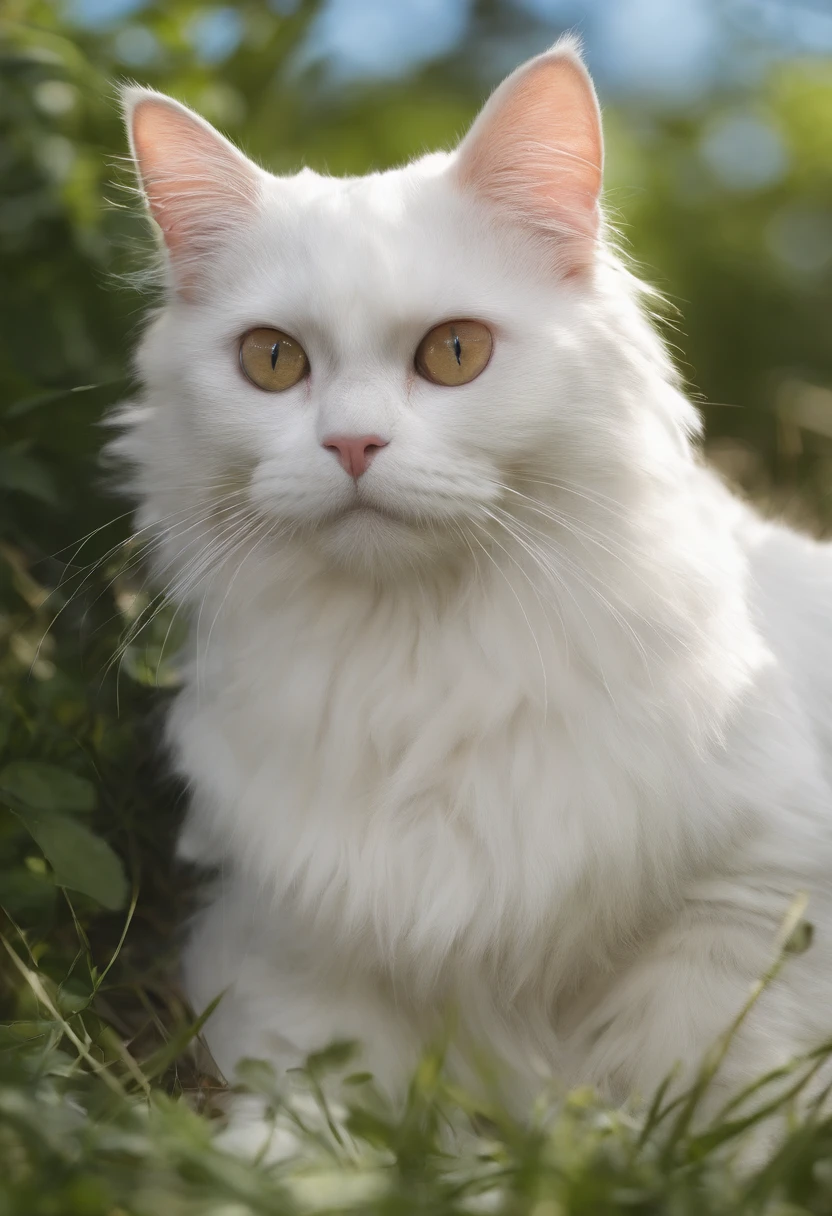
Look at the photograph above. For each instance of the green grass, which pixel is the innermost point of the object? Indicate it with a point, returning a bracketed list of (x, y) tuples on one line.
[(104, 1112)]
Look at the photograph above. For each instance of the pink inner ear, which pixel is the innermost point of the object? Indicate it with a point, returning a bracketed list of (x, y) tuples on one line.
[(536, 148), (197, 184)]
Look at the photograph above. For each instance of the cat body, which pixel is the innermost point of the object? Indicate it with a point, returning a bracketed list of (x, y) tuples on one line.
[(522, 733)]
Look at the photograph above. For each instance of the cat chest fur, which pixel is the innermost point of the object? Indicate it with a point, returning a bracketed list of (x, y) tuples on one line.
[(391, 778)]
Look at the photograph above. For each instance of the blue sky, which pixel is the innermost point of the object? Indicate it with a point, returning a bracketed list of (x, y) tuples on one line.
[(663, 48)]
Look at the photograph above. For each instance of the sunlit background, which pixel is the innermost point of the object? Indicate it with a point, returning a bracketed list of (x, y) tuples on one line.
[(719, 184)]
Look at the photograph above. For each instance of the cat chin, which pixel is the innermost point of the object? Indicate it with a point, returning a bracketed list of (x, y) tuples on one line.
[(369, 541)]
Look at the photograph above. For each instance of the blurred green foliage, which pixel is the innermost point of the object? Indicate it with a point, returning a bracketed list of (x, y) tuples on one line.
[(87, 816)]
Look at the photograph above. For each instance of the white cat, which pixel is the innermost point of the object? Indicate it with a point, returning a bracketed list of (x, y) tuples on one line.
[(498, 707)]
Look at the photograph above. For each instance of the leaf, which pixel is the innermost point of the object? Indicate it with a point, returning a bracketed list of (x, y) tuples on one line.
[(358, 1078), (169, 1052), (36, 400), (336, 1055), (82, 861), (45, 787), (258, 1076), (25, 895), (800, 938), (27, 475)]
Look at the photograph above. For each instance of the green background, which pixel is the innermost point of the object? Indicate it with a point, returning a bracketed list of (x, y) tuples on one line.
[(87, 815)]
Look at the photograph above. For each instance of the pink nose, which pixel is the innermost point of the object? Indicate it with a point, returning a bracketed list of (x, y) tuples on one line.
[(354, 452)]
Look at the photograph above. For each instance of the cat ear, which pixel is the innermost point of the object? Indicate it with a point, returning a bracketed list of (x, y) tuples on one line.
[(198, 187), (536, 150)]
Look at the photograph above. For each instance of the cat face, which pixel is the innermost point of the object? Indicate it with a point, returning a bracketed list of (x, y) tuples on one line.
[(373, 360)]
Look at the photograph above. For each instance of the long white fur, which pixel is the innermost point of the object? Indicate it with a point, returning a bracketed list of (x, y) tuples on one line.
[(545, 751)]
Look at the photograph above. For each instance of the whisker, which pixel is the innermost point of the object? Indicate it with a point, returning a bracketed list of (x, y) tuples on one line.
[(90, 573), (211, 552), (513, 590), (542, 560), (140, 555), (581, 577), (257, 542), (597, 498)]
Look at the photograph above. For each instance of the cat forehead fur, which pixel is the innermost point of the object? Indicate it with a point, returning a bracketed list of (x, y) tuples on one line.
[(356, 265)]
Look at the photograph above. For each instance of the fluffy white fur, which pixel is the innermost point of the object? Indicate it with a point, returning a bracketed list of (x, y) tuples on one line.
[(530, 730)]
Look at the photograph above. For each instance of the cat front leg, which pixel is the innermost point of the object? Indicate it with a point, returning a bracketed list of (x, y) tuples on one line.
[(276, 1005), (665, 1012)]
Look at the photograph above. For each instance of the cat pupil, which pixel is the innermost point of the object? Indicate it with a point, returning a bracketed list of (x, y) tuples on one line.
[(275, 353), (458, 350)]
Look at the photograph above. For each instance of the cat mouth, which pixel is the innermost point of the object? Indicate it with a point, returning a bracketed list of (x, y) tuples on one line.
[(368, 510)]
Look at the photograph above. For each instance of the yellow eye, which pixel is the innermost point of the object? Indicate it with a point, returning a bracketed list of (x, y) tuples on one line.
[(454, 352), (272, 360)]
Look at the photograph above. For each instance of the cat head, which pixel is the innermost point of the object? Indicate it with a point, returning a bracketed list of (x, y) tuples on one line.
[(383, 366)]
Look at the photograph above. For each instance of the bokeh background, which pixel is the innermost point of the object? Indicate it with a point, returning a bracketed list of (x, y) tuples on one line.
[(719, 127)]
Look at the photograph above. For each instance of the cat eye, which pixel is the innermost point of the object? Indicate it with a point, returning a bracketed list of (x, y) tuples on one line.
[(454, 352), (272, 360)]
